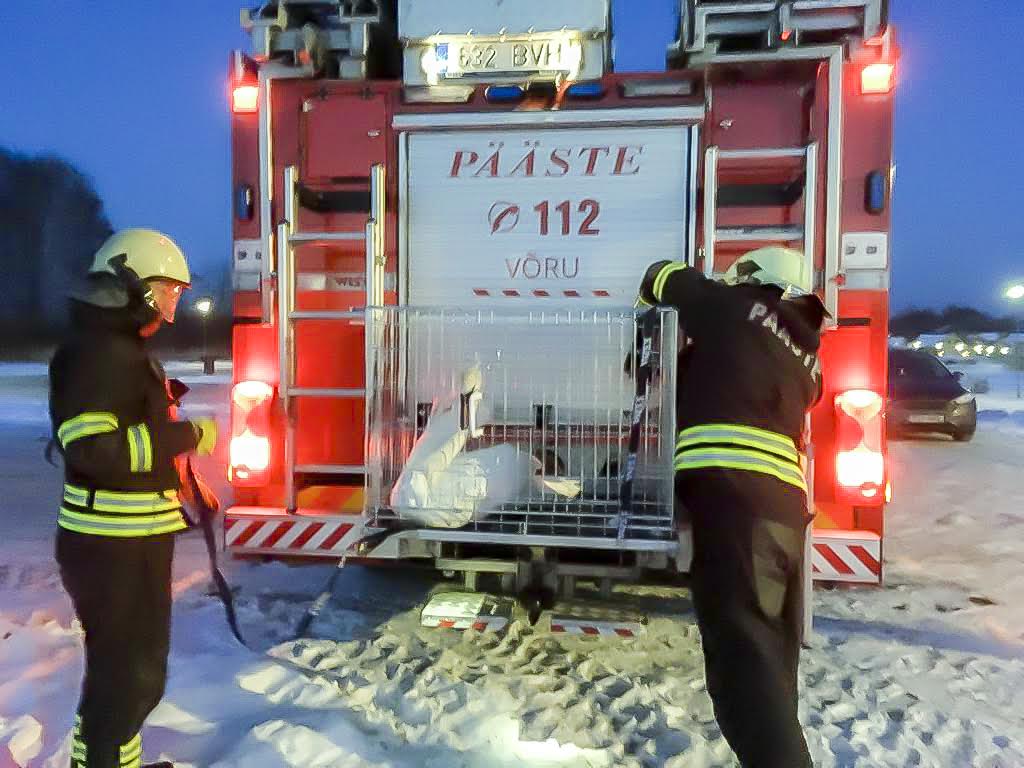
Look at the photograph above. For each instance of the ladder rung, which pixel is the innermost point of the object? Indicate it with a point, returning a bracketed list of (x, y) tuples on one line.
[(325, 237), (756, 234), (762, 154), (341, 394), (331, 469), (327, 314)]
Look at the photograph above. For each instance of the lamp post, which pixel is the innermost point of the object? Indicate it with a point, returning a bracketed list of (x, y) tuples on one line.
[(204, 307), (1015, 293)]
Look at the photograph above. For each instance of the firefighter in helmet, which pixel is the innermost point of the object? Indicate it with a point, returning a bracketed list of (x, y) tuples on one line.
[(112, 423), (747, 379)]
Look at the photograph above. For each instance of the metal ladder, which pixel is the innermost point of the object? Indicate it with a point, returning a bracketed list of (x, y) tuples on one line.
[(708, 24), (288, 316), (804, 232)]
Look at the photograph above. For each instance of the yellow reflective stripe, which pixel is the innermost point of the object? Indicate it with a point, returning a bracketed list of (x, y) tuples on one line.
[(131, 753), (140, 448), (129, 526), (736, 458), (775, 437), (159, 504), (751, 458), (750, 437), (662, 278), (86, 425), (747, 442), (127, 502), (122, 521)]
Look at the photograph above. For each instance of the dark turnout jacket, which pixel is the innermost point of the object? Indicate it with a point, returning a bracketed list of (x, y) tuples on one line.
[(109, 410), (748, 376)]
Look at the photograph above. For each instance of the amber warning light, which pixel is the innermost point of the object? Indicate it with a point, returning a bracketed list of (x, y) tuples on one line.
[(245, 98)]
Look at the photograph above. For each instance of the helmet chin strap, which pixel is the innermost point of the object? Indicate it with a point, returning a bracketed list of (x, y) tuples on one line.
[(141, 301)]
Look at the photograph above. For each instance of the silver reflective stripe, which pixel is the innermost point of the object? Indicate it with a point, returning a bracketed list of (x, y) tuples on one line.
[(739, 459), (132, 507), (77, 496), (140, 448)]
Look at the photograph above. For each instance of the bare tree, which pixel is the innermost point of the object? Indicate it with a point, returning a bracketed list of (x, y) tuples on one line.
[(51, 223)]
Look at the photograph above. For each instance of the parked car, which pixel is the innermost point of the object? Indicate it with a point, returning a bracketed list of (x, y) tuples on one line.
[(925, 396)]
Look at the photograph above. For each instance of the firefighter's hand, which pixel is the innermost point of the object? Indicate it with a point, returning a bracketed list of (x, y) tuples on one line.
[(206, 435), (646, 296), (209, 498)]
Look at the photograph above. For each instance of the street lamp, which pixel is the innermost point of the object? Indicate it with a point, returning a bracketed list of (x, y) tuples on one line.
[(1015, 292), (204, 307)]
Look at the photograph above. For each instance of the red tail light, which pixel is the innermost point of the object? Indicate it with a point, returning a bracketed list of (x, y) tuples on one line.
[(860, 462), (877, 78), (245, 98), (249, 451)]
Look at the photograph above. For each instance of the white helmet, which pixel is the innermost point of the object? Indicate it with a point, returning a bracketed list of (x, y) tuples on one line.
[(773, 265), (151, 255)]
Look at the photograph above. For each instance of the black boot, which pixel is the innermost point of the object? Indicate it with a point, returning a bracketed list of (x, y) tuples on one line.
[(161, 764)]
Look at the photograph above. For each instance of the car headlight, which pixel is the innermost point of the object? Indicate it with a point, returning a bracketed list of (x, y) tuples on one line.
[(965, 398)]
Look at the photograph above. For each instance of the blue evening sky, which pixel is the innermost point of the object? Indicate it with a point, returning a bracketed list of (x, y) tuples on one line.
[(134, 94)]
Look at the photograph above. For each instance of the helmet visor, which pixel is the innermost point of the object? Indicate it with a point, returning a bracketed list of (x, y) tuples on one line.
[(166, 295)]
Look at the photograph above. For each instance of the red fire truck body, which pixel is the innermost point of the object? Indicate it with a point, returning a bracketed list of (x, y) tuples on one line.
[(774, 120)]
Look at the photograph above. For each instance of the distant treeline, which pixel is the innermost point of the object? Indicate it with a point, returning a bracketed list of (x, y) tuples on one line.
[(952, 319), (51, 223)]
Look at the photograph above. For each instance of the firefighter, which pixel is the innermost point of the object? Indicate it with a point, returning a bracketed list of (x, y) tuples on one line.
[(121, 508), (746, 382)]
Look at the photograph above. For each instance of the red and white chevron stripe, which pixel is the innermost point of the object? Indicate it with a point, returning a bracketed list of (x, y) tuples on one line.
[(291, 534), (479, 623), (569, 626), (541, 293), (852, 556)]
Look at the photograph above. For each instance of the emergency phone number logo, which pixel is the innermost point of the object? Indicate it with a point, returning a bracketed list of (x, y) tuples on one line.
[(555, 217), (564, 218), (503, 217)]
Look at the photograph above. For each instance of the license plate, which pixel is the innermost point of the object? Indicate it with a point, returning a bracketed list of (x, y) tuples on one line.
[(926, 418), (466, 58)]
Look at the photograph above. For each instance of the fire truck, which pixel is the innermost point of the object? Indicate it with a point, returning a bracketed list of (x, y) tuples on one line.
[(433, 192)]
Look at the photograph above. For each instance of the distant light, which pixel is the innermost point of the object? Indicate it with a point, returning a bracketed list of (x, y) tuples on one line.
[(960, 346), (915, 344), (939, 345), (979, 348), (204, 306), (877, 78), (1015, 292), (245, 98), (1004, 350), (989, 349)]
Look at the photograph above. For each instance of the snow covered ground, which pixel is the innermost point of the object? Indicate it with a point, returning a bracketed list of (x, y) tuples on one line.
[(926, 672)]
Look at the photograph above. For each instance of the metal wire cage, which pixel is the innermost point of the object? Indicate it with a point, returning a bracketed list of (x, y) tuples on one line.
[(517, 422)]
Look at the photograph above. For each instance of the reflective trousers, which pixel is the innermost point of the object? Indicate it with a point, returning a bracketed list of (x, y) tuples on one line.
[(121, 591), (747, 581)]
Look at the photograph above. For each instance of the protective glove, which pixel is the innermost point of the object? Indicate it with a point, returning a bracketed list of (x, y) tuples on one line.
[(206, 434), (646, 296), (209, 498)]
